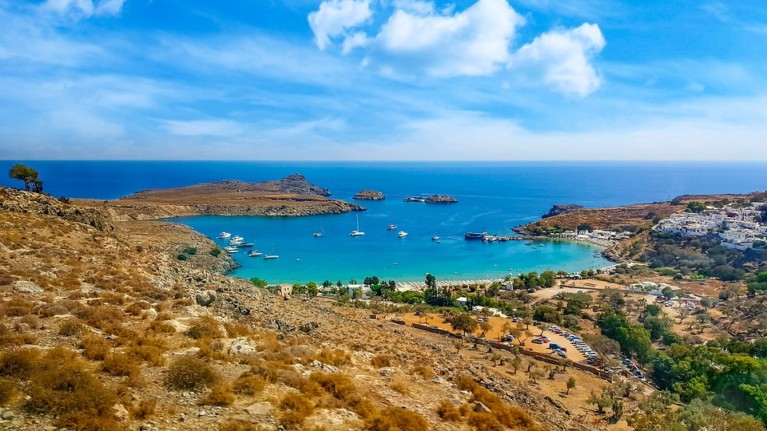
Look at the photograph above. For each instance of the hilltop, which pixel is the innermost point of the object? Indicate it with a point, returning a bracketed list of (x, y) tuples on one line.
[(289, 197)]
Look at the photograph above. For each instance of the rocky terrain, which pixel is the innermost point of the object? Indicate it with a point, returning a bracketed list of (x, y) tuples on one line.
[(106, 326), (441, 199), (558, 209), (369, 195), (292, 196)]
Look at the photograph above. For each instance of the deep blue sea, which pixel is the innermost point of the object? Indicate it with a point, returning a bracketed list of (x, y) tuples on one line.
[(493, 197)]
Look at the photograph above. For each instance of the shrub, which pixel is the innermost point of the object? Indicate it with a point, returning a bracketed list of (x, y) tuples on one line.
[(204, 327), (400, 386), (335, 357), (71, 328), (219, 395), (190, 373), (248, 384), (424, 371), (7, 390), (397, 419), (94, 348), (144, 409), (33, 321), (215, 252), (18, 363), (295, 408), (447, 411), (181, 256), (382, 361), (337, 385), (190, 251), (120, 364)]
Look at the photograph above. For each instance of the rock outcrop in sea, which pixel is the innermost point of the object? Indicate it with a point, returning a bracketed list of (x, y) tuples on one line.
[(369, 195), (441, 199), (558, 209)]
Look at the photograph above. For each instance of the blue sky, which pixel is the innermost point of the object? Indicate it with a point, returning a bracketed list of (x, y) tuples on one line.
[(383, 80)]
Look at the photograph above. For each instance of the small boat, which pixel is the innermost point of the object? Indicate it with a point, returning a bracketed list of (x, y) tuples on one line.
[(245, 245), (391, 227), (435, 238), (231, 250), (357, 232), (225, 235), (415, 199), (236, 240), (254, 253), (319, 234), (402, 234), (271, 256)]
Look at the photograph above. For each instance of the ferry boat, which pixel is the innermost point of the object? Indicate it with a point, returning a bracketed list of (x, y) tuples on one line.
[(475, 235), (254, 253), (225, 235), (402, 234), (271, 256)]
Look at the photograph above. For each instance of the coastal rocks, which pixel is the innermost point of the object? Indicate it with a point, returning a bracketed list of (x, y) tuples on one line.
[(558, 209), (297, 184), (19, 201), (369, 195), (441, 199)]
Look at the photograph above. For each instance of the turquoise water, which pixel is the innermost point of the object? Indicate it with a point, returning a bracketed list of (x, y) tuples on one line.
[(493, 197)]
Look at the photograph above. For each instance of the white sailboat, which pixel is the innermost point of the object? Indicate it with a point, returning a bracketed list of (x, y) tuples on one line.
[(319, 234), (357, 232)]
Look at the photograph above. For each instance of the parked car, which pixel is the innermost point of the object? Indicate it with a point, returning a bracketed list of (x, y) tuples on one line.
[(561, 353), (507, 337), (553, 346), (537, 341)]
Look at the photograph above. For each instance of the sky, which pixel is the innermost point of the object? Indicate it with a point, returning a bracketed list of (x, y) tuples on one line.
[(383, 80)]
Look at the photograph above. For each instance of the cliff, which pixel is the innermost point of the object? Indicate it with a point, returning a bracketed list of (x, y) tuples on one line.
[(369, 195), (558, 209)]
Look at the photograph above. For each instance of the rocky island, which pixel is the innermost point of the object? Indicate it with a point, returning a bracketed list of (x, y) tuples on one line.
[(291, 196), (369, 195), (433, 199)]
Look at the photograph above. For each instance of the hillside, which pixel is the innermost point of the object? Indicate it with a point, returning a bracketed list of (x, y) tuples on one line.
[(288, 197), (105, 327)]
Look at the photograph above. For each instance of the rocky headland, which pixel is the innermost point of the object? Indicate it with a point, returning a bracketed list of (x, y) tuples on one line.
[(558, 209), (292, 196), (369, 195)]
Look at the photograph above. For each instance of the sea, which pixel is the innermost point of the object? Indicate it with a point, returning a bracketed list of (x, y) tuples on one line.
[(493, 197)]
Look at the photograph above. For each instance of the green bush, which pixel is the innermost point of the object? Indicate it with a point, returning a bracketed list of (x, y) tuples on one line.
[(182, 256), (215, 252), (190, 251)]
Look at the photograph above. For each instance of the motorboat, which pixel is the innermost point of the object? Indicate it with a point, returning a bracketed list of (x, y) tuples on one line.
[(475, 235), (225, 235), (254, 253), (402, 234), (391, 227), (231, 249), (245, 245), (435, 238), (271, 257)]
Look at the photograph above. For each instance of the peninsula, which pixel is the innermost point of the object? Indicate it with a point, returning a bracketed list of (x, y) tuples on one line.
[(292, 196)]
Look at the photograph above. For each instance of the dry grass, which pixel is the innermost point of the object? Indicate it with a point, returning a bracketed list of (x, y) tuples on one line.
[(447, 411), (219, 395), (94, 347), (335, 357), (204, 327), (423, 371), (381, 361), (71, 328), (248, 384), (190, 373), (397, 419), (401, 386)]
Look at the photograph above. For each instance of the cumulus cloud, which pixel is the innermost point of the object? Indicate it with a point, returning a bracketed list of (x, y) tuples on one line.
[(416, 38), (84, 8), (562, 59), (335, 17)]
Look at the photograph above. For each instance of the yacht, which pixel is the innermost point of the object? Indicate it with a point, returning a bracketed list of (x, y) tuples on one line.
[(245, 245), (231, 249), (391, 227), (225, 235), (357, 232), (254, 253), (402, 234), (435, 238), (236, 240), (271, 256), (475, 235)]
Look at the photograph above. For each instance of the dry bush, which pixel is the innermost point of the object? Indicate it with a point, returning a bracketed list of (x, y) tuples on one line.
[(190, 373), (505, 415), (484, 422), (400, 386), (424, 371), (248, 384), (238, 425), (52, 310), (295, 408), (71, 328), (62, 386), (234, 330), (16, 307), (143, 409), (447, 411), (7, 390), (219, 395), (397, 419), (335, 357), (337, 385), (120, 364), (19, 363), (163, 328), (204, 327), (148, 349), (94, 347), (381, 361), (32, 321), (9, 338)]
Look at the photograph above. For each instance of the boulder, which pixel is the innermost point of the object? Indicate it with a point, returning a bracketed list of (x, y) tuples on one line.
[(259, 409), (481, 408), (27, 287), (120, 412), (241, 346)]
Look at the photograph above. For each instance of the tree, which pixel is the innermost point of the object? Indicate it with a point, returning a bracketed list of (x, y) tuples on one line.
[(484, 327), (515, 362), (458, 344), (463, 322), (28, 175), (258, 282), (570, 385), (695, 207)]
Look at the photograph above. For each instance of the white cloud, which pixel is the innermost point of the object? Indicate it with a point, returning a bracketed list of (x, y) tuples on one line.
[(470, 42), (561, 58), (335, 17), (84, 8), (220, 128)]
